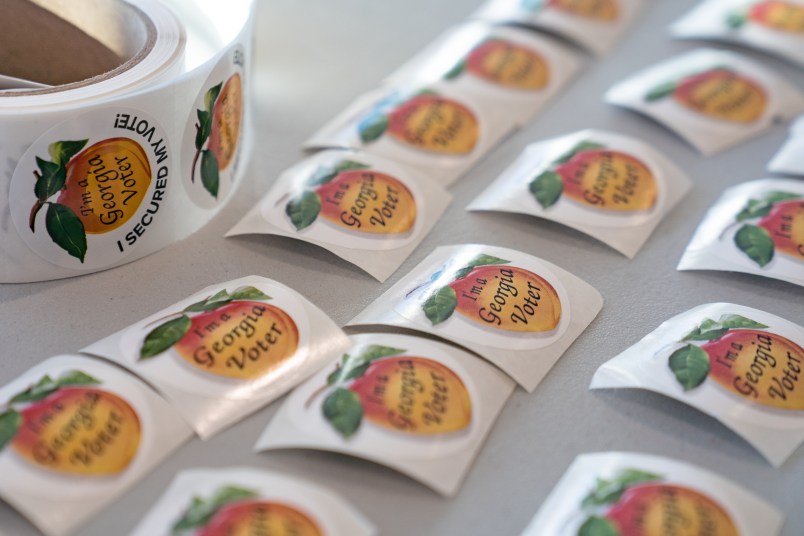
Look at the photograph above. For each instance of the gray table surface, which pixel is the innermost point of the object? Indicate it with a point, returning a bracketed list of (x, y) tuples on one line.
[(313, 58)]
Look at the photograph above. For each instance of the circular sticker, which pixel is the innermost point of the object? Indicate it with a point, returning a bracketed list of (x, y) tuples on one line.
[(221, 343), (212, 137), (396, 396), (350, 203), (91, 188), (596, 183), (483, 299)]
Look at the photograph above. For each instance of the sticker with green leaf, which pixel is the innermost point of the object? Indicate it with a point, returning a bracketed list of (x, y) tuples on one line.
[(780, 15), (304, 208), (504, 63), (88, 191), (375, 384), (770, 224), (237, 510), (235, 335), (745, 358), (719, 92), (210, 174), (54, 418), (640, 502), (63, 225), (175, 326), (423, 120), (597, 178)]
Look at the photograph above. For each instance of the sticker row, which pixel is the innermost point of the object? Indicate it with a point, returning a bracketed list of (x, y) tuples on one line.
[(419, 406)]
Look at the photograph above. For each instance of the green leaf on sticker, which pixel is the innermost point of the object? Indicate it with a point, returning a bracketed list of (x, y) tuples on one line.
[(46, 386), (212, 96), (213, 302), (737, 19), (581, 147), (456, 70), (303, 210), (440, 305), (66, 230), (62, 151), (51, 179), (10, 422), (373, 127), (204, 128), (661, 91), (480, 260), (755, 242), (355, 366), (210, 177), (690, 364), (598, 526), (532, 5), (547, 188), (344, 411), (201, 511), (324, 174), (609, 491), (165, 336), (249, 293), (739, 322), (757, 208)]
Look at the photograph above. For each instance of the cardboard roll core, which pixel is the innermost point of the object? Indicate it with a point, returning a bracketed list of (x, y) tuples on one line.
[(69, 42)]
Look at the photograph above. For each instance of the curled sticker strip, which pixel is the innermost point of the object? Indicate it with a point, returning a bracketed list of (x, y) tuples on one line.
[(365, 209), (228, 350), (420, 407), (247, 500), (742, 366), (76, 433), (625, 494)]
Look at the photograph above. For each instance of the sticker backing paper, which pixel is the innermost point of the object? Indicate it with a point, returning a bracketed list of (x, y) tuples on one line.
[(712, 98), (250, 501), (517, 311), (595, 24), (757, 228), (367, 210), (623, 493), (421, 407), (774, 26), (227, 350), (611, 187), (75, 434), (742, 366)]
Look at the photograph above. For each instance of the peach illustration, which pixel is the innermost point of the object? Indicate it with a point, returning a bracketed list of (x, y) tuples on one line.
[(774, 14), (424, 121), (777, 226), (354, 197), (495, 295), (597, 178), (72, 427), (600, 10), (218, 132), (506, 64), (719, 93), (228, 335), (99, 189), (637, 503), (744, 358), (235, 511), (403, 393)]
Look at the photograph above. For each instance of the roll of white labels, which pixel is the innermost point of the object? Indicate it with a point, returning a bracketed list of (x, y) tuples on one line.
[(123, 135)]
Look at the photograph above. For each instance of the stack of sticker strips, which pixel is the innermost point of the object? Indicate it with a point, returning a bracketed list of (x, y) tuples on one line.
[(230, 349)]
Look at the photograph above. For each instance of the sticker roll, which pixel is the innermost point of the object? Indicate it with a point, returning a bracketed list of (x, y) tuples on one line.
[(124, 135)]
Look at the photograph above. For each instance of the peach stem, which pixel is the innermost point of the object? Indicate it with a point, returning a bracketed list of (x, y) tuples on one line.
[(195, 158), (727, 229), (319, 390)]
